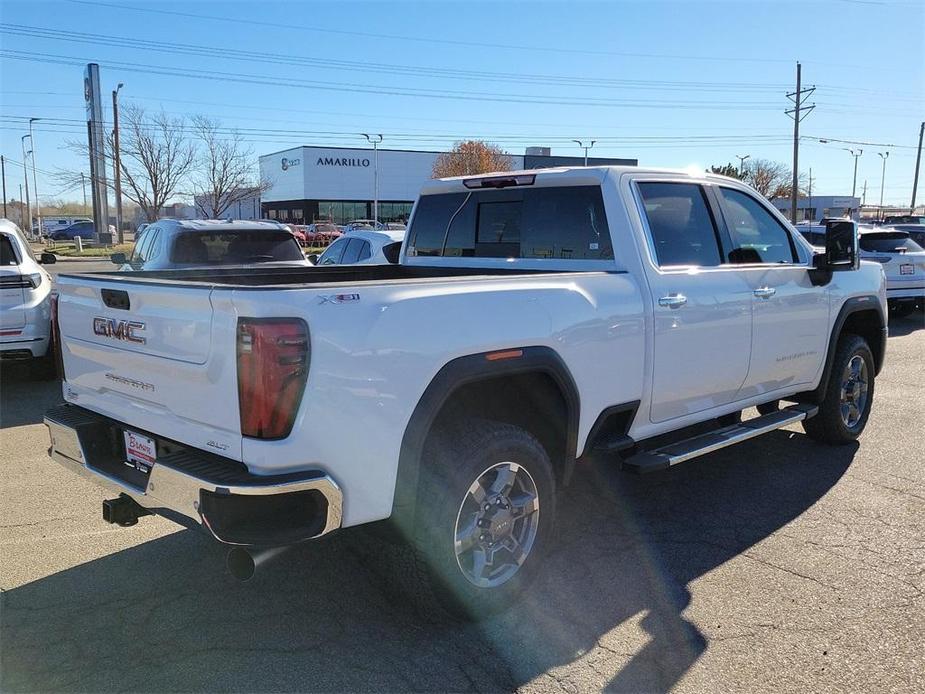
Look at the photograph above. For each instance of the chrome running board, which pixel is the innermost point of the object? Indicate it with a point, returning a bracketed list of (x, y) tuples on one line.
[(665, 457)]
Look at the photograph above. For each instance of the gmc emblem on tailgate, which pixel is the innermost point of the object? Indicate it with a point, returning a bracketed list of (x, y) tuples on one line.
[(119, 329)]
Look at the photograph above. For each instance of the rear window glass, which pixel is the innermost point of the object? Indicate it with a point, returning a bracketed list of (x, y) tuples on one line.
[(888, 243), (235, 247), (7, 255), (560, 223), (683, 232)]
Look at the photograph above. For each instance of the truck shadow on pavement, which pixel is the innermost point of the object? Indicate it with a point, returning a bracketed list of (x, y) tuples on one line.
[(163, 615)]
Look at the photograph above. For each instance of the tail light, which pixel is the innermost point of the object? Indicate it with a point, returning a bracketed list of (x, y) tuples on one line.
[(273, 358)]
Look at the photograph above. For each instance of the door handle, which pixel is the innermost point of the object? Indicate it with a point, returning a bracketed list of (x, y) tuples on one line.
[(673, 301), (765, 292)]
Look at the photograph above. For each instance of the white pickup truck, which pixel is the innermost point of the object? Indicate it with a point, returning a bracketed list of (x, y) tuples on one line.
[(532, 318)]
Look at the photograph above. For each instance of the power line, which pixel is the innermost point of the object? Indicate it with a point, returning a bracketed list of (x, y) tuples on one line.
[(414, 70), (353, 88), (441, 41)]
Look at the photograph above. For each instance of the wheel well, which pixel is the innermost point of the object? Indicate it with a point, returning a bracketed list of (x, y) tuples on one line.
[(532, 401), (868, 325)]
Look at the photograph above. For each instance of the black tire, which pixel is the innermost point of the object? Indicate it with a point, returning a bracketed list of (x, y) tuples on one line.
[(453, 460), (829, 426)]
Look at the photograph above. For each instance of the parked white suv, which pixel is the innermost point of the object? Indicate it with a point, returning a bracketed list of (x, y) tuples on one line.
[(25, 306)]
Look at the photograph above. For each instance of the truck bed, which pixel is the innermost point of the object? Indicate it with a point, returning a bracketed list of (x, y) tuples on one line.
[(300, 276)]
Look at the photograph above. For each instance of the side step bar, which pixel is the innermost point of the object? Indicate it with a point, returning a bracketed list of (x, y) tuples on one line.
[(665, 457)]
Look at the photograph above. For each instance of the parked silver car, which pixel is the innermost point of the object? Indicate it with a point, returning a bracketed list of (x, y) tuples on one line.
[(25, 301)]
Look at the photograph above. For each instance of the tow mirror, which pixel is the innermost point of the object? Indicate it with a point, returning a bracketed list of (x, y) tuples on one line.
[(48, 258), (841, 245), (117, 258)]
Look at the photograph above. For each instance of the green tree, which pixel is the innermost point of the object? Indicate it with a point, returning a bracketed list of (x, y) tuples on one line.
[(728, 170)]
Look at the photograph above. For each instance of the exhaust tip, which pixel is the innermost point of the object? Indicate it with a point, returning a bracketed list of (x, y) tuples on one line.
[(241, 564)]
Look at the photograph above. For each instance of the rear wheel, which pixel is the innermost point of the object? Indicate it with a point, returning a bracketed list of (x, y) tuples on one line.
[(486, 511), (845, 407)]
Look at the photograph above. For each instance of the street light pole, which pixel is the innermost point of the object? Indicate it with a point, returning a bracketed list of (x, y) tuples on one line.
[(585, 148), (3, 168), (854, 181), (117, 162), (35, 185), (742, 158), (884, 156), (25, 175), (375, 143)]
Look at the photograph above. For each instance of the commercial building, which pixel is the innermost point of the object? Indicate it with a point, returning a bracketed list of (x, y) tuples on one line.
[(324, 183), (819, 206)]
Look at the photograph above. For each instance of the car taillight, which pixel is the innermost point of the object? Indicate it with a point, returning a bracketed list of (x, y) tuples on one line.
[(273, 356)]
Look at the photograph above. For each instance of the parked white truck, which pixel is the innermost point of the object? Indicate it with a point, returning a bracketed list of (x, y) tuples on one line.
[(532, 318)]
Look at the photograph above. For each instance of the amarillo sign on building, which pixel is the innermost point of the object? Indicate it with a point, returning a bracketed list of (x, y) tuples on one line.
[(307, 184)]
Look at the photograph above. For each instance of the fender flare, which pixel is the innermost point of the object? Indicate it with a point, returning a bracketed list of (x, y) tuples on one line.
[(463, 371), (853, 305)]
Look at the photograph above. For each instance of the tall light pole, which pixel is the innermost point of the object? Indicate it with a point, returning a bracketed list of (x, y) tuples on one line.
[(35, 185), (918, 160), (375, 143), (25, 175), (884, 156), (585, 148), (742, 158), (117, 162), (854, 181)]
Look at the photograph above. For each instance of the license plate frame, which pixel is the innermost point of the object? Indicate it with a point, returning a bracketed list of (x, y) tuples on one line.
[(140, 451), (907, 269)]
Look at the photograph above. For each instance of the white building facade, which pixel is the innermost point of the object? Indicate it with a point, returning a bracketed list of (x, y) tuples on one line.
[(308, 184)]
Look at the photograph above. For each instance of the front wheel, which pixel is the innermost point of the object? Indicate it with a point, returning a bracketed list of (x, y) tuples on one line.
[(486, 512), (845, 407)]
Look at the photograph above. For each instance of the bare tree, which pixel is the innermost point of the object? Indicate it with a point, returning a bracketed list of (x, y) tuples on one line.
[(471, 157), (223, 173), (156, 158), (770, 178)]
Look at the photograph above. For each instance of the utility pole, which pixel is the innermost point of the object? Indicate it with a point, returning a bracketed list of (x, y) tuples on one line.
[(918, 160), (83, 185), (3, 168), (375, 144), (117, 162), (812, 212), (21, 208), (35, 185), (884, 156), (25, 175), (798, 113), (742, 158), (585, 148), (864, 195)]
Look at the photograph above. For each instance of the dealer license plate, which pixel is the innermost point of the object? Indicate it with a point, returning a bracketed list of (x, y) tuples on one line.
[(140, 451), (907, 269)]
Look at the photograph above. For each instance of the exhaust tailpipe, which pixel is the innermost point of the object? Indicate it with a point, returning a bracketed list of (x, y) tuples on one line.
[(242, 563)]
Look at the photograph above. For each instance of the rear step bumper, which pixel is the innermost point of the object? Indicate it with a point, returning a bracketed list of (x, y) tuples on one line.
[(661, 458), (195, 488)]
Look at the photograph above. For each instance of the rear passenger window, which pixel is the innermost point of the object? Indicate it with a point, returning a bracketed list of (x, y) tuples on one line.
[(682, 227), (756, 236), (565, 222), (7, 254), (365, 252)]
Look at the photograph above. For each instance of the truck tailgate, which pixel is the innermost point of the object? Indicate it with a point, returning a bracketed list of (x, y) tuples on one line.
[(143, 354)]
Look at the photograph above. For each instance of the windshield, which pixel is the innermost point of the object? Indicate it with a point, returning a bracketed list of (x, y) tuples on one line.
[(235, 247), (889, 243)]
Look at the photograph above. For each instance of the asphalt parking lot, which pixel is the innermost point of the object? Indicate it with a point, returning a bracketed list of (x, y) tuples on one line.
[(777, 565)]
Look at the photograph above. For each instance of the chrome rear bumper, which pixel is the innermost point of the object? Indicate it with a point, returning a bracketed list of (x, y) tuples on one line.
[(235, 506)]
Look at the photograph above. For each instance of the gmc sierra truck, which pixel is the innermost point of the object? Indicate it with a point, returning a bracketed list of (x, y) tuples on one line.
[(531, 319)]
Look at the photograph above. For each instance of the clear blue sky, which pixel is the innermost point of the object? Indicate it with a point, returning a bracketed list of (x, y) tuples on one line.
[(672, 84)]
